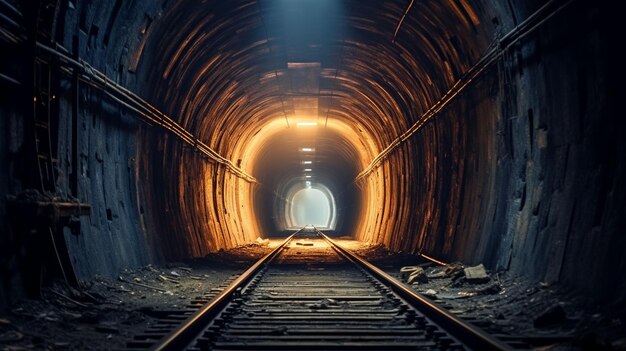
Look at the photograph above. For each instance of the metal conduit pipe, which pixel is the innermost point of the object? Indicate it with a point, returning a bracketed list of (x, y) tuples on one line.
[(499, 47), (126, 98), (143, 108)]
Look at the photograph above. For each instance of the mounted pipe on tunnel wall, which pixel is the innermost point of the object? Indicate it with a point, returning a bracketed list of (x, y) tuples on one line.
[(518, 33), (149, 113)]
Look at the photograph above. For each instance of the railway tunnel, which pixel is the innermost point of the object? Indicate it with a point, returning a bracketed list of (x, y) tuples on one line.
[(479, 131)]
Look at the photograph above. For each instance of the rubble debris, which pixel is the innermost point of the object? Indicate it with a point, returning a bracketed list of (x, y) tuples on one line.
[(454, 269), (476, 274), (417, 276), (552, 315), (490, 289), (430, 293), (304, 242), (436, 273), (262, 242), (139, 284), (324, 304), (66, 298), (411, 274), (406, 271)]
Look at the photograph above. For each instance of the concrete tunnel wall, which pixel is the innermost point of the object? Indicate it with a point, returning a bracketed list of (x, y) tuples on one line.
[(522, 171)]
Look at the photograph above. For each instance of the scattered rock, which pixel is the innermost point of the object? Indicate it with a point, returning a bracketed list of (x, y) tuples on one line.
[(417, 276), (453, 268), (430, 293), (552, 315), (456, 295), (262, 242), (476, 274), (174, 274)]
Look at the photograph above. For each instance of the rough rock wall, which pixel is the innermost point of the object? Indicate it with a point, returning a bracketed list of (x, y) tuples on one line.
[(523, 171)]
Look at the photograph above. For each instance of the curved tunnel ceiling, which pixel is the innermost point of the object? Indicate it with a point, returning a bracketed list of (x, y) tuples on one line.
[(244, 75), (518, 171)]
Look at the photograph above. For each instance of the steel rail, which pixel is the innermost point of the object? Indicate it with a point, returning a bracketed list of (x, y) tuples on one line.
[(468, 334), (181, 337), (498, 48)]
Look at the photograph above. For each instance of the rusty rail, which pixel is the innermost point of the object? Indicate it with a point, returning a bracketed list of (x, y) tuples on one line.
[(470, 335), (181, 336)]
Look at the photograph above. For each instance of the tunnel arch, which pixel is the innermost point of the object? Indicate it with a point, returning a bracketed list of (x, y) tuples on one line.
[(513, 173)]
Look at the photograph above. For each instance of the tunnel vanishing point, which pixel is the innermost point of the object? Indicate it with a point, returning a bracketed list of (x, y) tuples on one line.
[(137, 132)]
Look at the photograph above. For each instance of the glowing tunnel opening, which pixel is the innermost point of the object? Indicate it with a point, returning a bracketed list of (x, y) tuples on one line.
[(311, 205)]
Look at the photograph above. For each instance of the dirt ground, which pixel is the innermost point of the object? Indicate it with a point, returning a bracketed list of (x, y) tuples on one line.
[(547, 317), (107, 312)]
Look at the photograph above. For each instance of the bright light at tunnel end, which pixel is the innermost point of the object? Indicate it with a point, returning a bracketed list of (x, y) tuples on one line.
[(310, 206), (306, 124)]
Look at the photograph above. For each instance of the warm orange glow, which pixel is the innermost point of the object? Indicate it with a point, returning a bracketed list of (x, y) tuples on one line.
[(236, 214)]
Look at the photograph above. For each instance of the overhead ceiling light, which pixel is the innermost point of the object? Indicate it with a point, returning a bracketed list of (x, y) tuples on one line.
[(306, 124), (307, 176), (307, 170), (307, 149), (307, 162)]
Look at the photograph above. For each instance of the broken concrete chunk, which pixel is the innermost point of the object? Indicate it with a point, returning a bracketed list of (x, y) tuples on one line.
[(476, 274)]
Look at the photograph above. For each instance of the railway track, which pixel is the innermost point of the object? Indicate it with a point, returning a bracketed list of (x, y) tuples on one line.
[(311, 294)]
